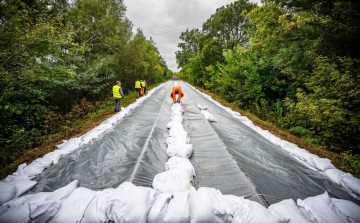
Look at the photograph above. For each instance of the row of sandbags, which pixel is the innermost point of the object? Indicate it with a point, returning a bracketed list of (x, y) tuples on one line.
[(20, 182), (179, 173), (322, 165), (129, 203)]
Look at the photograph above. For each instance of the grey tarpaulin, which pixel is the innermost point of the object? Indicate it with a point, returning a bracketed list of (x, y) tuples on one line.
[(227, 155), (136, 141), (274, 172)]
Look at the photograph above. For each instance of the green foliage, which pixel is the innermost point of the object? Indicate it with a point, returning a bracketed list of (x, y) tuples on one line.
[(58, 60), (353, 160), (297, 64)]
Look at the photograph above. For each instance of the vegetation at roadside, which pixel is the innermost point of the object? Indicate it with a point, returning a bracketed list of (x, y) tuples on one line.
[(295, 63), (59, 60)]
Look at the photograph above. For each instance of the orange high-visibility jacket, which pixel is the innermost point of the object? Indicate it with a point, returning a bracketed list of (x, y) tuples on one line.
[(181, 94)]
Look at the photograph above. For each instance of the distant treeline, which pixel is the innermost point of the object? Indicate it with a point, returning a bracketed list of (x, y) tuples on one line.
[(57, 60), (294, 62)]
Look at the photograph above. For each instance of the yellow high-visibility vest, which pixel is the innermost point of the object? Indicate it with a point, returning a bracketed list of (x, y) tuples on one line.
[(143, 84), (137, 84), (116, 93)]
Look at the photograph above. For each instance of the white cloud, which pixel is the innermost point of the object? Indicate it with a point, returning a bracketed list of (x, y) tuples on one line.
[(164, 20)]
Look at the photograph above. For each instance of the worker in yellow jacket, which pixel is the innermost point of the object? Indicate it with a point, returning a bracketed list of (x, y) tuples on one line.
[(117, 93), (137, 88)]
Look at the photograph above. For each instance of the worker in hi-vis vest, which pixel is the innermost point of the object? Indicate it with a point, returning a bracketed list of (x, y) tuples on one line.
[(142, 91), (117, 93), (137, 88), (176, 94)]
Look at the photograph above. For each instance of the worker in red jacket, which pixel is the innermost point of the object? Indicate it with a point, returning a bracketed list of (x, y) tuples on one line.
[(176, 93)]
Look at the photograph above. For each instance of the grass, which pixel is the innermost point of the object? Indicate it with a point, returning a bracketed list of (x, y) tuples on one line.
[(104, 111)]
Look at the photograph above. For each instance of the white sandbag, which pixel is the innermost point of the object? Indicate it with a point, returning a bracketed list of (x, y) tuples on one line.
[(288, 209), (209, 205), (37, 167), (7, 192), (350, 209), (245, 210), (334, 175), (208, 116), (322, 209), (73, 207), (18, 212), (95, 212), (70, 145), (22, 186), (63, 192), (180, 150), (130, 203), (159, 208), (178, 132), (172, 181), (19, 174), (43, 211), (13, 203), (179, 163), (351, 183), (55, 156), (201, 107), (323, 164), (178, 209)]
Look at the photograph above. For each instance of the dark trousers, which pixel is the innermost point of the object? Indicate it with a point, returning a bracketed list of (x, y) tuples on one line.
[(144, 90), (117, 104), (137, 92)]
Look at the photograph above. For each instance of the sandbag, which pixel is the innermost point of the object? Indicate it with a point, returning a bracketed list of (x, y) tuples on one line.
[(208, 116), (209, 205), (351, 183), (70, 145), (348, 208), (159, 209), (37, 167), (7, 192), (179, 163), (13, 203), (19, 212), (19, 174), (177, 131), (180, 150), (73, 207), (130, 203), (289, 210), (253, 212), (172, 181), (55, 156), (323, 209), (22, 186), (178, 209), (43, 211), (334, 175), (323, 164), (95, 212)]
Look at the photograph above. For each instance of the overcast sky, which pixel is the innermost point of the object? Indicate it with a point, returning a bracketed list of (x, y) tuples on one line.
[(164, 20)]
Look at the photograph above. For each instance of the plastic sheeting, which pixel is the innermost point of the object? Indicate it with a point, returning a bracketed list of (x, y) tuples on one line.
[(274, 172), (133, 150)]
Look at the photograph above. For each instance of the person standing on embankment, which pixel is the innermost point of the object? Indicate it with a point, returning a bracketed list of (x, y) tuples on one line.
[(117, 93)]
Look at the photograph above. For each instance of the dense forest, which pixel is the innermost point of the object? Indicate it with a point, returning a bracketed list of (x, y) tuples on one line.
[(293, 62), (59, 60)]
